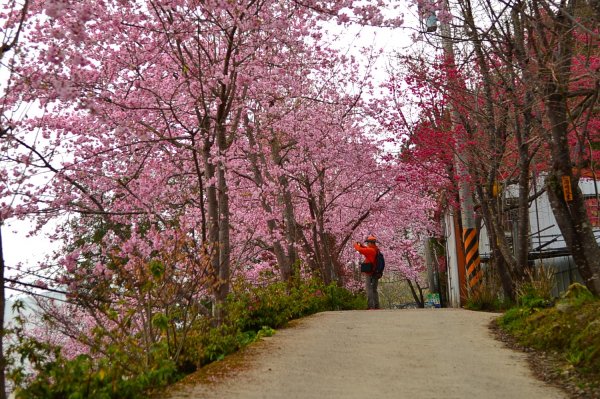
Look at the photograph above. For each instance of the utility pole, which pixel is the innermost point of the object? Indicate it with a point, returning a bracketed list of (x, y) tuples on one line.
[(470, 235)]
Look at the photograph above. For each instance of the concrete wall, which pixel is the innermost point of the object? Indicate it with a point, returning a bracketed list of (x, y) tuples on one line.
[(452, 262)]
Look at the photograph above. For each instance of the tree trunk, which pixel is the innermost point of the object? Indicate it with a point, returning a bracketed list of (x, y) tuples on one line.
[(291, 229), (324, 236), (572, 219), (417, 297), (199, 176), (224, 252), (315, 246), (224, 241), (256, 161), (570, 211), (289, 217), (212, 212), (521, 242), (503, 258), (430, 262), (523, 133), (493, 221), (2, 308)]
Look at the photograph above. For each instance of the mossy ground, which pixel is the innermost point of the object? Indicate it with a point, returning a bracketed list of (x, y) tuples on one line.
[(563, 339)]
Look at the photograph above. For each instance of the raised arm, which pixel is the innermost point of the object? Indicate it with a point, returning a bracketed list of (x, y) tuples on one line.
[(367, 251)]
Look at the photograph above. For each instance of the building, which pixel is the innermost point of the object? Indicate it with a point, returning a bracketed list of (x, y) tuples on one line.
[(546, 243)]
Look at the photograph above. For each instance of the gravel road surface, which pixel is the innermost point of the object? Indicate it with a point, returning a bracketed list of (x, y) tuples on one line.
[(413, 354)]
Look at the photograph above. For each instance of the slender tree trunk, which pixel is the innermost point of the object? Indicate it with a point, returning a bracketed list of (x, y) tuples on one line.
[(199, 176), (493, 221), (326, 249), (523, 134), (289, 217), (224, 238), (417, 297), (282, 259), (501, 254), (507, 283), (430, 263), (223, 218), (522, 239), (2, 321), (291, 228), (226, 96), (212, 213), (315, 246)]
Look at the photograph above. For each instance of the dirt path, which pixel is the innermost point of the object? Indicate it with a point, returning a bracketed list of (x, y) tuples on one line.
[(432, 353)]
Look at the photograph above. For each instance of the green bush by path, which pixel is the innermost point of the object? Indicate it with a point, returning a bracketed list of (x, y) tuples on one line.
[(252, 313), (251, 308), (570, 327), (86, 377)]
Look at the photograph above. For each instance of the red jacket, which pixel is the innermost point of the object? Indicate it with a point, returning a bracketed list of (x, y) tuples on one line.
[(368, 252)]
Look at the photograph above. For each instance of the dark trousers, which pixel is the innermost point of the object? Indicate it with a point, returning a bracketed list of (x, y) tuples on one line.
[(371, 288)]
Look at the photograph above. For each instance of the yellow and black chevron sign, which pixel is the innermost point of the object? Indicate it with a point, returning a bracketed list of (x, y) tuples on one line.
[(472, 261)]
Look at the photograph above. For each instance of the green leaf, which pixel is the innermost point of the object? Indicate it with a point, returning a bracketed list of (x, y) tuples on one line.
[(160, 321), (156, 268)]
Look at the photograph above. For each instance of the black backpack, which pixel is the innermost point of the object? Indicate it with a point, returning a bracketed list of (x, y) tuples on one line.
[(379, 264)]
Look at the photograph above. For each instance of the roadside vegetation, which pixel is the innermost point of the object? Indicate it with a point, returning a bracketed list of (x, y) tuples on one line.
[(41, 371), (560, 334), (565, 330)]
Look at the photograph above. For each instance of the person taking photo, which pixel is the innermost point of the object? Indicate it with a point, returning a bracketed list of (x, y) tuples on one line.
[(369, 251)]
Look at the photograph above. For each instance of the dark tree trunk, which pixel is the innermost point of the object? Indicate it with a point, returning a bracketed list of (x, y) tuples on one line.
[(568, 208), (212, 214), (2, 306), (418, 297), (576, 229), (522, 238), (502, 255), (289, 217), (284, 260)]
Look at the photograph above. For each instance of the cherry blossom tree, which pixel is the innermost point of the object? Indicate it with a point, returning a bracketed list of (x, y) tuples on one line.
[(532, 117), (12, 17), (507, 128), (182, 141)]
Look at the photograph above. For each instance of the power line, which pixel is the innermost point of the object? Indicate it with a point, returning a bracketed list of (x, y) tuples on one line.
[(30, 273), (10, 280), (38, 295)]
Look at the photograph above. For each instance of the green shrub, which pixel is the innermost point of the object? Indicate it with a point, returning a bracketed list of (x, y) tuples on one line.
[(536, 290), (514, 318), (251, 308), (341, 299), (252, 313), (577, 295), (55, 377), (488, 295), (256, 311), (571, 327)]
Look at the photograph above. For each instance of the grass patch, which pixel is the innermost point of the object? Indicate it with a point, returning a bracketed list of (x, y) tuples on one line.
[(568, 328), (488, 295)]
